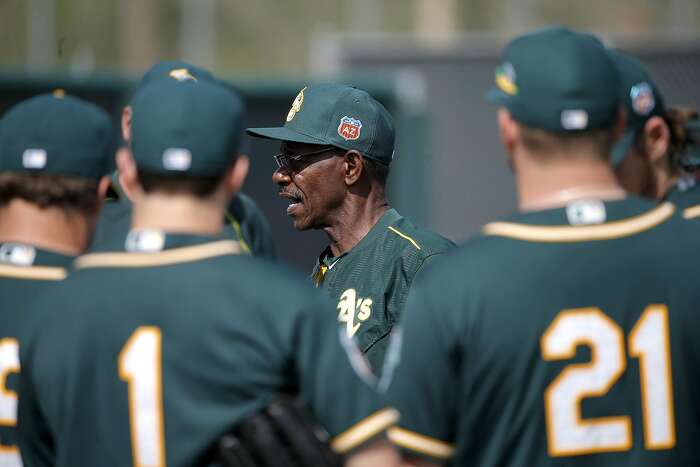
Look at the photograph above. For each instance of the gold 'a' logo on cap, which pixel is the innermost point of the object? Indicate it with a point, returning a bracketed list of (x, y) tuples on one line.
[(296, 105), (181, 74)]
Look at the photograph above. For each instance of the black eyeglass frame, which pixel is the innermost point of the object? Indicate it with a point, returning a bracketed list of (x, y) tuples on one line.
[(283, 160)]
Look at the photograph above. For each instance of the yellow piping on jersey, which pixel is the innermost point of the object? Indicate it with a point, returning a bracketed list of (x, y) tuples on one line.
[(403, 235), (691, 212), (161, 258), (237, 228), (585, 233), (421, 443), (364, 430), (43, 273)]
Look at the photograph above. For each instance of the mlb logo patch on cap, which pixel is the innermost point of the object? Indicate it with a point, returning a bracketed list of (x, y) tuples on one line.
[(177, 159), (34, 159), (349, 128)]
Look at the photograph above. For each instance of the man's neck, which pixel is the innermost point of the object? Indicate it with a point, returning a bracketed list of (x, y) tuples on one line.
[(353, 221), (177, 214), (553, 185), (51, 229)]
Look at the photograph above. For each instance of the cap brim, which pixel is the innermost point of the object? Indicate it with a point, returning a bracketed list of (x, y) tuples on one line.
[(499, 97), (622, 147), (284, 134)]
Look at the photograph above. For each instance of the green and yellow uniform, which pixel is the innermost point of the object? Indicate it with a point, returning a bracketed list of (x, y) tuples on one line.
[(550, 344), (25, 272), (244, 222), (157, 369), (47, 135), (370, 283)]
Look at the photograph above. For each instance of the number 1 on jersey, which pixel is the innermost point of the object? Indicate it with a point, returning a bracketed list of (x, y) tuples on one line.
[(140, 367)]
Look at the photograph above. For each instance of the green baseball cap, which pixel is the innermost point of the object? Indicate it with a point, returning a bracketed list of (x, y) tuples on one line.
[(186, 127), (558, 80), (337, 115), (640, 96), (173, 70), (57, 134)]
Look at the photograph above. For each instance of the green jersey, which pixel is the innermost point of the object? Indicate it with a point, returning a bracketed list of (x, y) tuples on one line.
[(244, 222), (370, 283), (25, 271), (566, 337), (686, 196), (193, 339)]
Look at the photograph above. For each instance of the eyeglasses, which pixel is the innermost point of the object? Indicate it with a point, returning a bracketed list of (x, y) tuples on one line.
[(292, 163)]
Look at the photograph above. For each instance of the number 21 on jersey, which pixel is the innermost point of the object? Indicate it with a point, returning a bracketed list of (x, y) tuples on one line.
[(570, 435), (140, 366)]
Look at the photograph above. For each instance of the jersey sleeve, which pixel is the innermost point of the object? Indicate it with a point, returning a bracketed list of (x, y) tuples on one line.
[(421, 375), (335, 381)]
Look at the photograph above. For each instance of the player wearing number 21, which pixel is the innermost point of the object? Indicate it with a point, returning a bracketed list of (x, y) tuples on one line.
[(146, 356), (566, 335)]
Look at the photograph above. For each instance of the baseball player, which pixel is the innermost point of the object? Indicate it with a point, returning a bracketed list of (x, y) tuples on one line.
[(54, 153), (565, 335), (660, 150), (244, 221), (337, 146), (149, 355)]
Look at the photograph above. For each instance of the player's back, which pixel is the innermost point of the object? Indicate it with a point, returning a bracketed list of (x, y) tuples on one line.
[(159, 354), (573, 345), (25, 272)]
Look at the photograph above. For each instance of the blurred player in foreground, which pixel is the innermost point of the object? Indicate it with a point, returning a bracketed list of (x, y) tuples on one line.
[(196, 337), (660, 151), (337, 145), (54, 154), (566, 334), (244, 221)]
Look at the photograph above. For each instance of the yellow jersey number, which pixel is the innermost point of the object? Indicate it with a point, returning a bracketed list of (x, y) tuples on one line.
[(570, 435)]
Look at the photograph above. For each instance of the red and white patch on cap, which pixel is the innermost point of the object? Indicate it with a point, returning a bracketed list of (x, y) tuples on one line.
[(349, 128)]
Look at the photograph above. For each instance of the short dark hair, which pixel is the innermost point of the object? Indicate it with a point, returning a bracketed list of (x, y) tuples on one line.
[(377, 170), (179, 184), (544, 143), (49, 191)]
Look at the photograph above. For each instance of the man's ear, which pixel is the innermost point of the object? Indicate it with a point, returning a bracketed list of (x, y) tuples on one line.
[(354, 167), (126, 123), (508, 130), (128, 174), (102, 187), (236, 175), (657, 139)]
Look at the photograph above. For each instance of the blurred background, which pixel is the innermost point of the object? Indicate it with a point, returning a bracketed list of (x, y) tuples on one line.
[(429, 61)]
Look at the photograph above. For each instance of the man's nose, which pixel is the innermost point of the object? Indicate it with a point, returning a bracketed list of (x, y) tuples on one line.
[(281, 176)]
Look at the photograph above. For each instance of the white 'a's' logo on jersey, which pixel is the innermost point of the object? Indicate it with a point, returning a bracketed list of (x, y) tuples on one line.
[(351, 306)]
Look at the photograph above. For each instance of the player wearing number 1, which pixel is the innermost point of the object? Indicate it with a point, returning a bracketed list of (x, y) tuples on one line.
[(54, 152), (566, 335), (147, 356)]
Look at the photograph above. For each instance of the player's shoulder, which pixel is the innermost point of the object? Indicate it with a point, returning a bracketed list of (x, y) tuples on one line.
[(244, 208), (417, 240)]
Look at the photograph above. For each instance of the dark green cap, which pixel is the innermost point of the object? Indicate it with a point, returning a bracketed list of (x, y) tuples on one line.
[(640, 96), (186, 127), (173, 70), (57, 134), (557, 80), (340, 116)]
